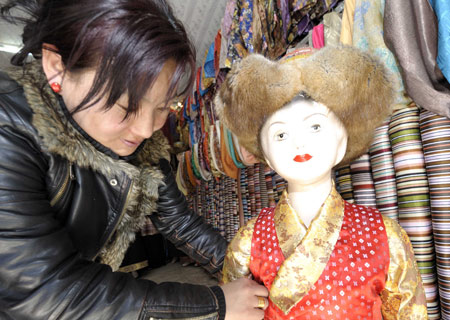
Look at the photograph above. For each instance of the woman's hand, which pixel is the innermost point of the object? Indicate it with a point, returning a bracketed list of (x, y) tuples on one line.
[(242, 297)]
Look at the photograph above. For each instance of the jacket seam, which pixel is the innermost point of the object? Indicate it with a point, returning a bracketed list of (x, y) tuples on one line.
[(200, 253)]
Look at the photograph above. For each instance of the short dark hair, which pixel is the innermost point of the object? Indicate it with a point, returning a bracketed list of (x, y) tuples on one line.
[(126, 41)]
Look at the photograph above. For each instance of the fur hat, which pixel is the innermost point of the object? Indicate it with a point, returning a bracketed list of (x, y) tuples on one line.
[(351, 83)]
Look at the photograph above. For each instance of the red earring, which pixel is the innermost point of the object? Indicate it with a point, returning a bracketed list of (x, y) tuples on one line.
[(56, 87)]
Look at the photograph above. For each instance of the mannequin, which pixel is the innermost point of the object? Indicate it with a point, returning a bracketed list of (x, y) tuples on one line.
[(302, 142), (319, 256)]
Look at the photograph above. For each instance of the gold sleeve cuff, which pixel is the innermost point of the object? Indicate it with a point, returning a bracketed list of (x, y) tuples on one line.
[(403, 296), (237, 258)]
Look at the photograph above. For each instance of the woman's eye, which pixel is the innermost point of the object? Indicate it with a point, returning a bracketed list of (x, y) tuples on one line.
[(162, 110), (122, 108), (315, 127)]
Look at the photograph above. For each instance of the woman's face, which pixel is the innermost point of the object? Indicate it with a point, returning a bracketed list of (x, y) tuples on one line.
[(303, 141), (109, 127)]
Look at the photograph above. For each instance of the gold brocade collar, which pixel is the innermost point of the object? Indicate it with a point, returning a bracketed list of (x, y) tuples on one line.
[(307, 251)]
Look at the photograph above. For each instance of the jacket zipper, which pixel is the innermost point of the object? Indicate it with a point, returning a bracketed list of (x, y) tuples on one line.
[(69, 176), (208, 316), (120, 219)]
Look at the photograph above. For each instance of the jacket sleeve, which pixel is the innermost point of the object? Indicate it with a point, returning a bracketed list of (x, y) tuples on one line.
[(41, 273), (184, 228)]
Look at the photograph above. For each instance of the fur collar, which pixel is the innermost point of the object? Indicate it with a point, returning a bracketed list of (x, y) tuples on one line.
[(58, 136)]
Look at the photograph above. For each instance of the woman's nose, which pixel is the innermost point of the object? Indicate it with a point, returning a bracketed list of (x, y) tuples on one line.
[(143, 126)]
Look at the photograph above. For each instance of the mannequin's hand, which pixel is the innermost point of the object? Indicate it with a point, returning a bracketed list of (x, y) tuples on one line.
[(241, 298)]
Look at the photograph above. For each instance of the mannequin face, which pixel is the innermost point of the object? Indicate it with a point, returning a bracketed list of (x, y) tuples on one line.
[(302, 142)]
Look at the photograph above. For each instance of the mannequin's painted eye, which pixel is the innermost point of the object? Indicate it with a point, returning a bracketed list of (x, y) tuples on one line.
[(315, 128), (281, 136)]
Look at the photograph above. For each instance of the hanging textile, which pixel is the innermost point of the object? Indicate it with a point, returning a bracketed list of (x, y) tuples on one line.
[(240, 37), (332, 28), (442, 10), (435, 133), (318, 37), (413, 195), (270, 40), (303, 12), (347, 22), (410, 31), (368, 36)]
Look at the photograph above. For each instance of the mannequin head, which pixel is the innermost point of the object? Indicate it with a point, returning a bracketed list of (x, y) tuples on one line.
[(352, 84), (303, 141)]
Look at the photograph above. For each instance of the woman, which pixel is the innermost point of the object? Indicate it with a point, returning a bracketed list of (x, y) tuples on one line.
[(320, 256), (83, 166)]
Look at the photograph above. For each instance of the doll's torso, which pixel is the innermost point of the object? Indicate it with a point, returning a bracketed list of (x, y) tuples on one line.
[(352, 278)]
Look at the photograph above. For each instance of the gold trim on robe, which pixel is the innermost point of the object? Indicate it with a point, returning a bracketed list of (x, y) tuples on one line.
[(305, 260), (403, 296), (237, 258)]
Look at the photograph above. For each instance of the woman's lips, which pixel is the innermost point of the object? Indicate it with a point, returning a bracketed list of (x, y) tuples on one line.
[(302, 158), (131, 143)]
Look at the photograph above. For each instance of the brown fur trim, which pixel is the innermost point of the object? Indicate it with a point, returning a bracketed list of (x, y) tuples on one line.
[(58, 136), (351, 83)]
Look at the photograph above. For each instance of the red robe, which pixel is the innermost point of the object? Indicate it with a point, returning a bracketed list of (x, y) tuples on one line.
[(355, 274)]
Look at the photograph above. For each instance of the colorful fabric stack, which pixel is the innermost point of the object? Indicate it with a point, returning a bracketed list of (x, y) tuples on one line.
[(217, 202), (383, 173), (344, 183), (413, 193), (363, 187)]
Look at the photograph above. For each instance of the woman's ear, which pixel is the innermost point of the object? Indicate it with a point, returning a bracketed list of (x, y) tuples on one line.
[(52, 64)]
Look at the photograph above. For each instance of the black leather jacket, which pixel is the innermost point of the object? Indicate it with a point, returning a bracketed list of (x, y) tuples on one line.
[(57, 214)]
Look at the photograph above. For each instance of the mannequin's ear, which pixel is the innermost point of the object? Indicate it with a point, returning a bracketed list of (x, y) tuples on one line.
[(52, 63), (248, 158)]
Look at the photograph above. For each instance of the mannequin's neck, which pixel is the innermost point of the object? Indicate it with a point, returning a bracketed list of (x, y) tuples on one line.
[(307, 200)]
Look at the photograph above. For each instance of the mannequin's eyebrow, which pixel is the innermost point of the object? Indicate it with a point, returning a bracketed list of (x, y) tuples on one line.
[(279, 122), (314, 114)]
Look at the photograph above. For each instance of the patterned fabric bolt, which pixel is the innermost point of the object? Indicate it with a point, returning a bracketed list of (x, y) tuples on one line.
[(435, 131), (383, 173), (344, 183), (362, 182), (413, 194)]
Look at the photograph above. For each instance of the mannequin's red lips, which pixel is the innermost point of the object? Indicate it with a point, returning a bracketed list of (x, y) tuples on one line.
[(302, 158)]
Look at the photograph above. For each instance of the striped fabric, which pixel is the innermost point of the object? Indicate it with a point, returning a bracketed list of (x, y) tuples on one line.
[(263, 186), (413, 194), (217, 202), (344, 183), (383, 173), (435, 132), (362, 183)]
